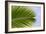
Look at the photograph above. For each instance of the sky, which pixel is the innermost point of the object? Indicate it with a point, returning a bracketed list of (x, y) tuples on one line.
[(37, 10)]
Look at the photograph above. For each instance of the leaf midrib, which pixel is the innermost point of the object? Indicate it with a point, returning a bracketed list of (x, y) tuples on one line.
[(22, 18)]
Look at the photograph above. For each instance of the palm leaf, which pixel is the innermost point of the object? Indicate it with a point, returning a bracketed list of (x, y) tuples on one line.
[(22, 17)]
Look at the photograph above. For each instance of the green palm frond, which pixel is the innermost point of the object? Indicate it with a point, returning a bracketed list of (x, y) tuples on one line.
[(22, 17)]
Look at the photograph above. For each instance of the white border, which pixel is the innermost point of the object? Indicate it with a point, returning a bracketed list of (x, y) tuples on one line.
[(22, 29)]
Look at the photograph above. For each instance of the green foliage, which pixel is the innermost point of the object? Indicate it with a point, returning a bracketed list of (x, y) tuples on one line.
[(22, 17)]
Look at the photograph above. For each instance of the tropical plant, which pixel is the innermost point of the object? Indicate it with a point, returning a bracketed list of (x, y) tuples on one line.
[(22, 17)]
